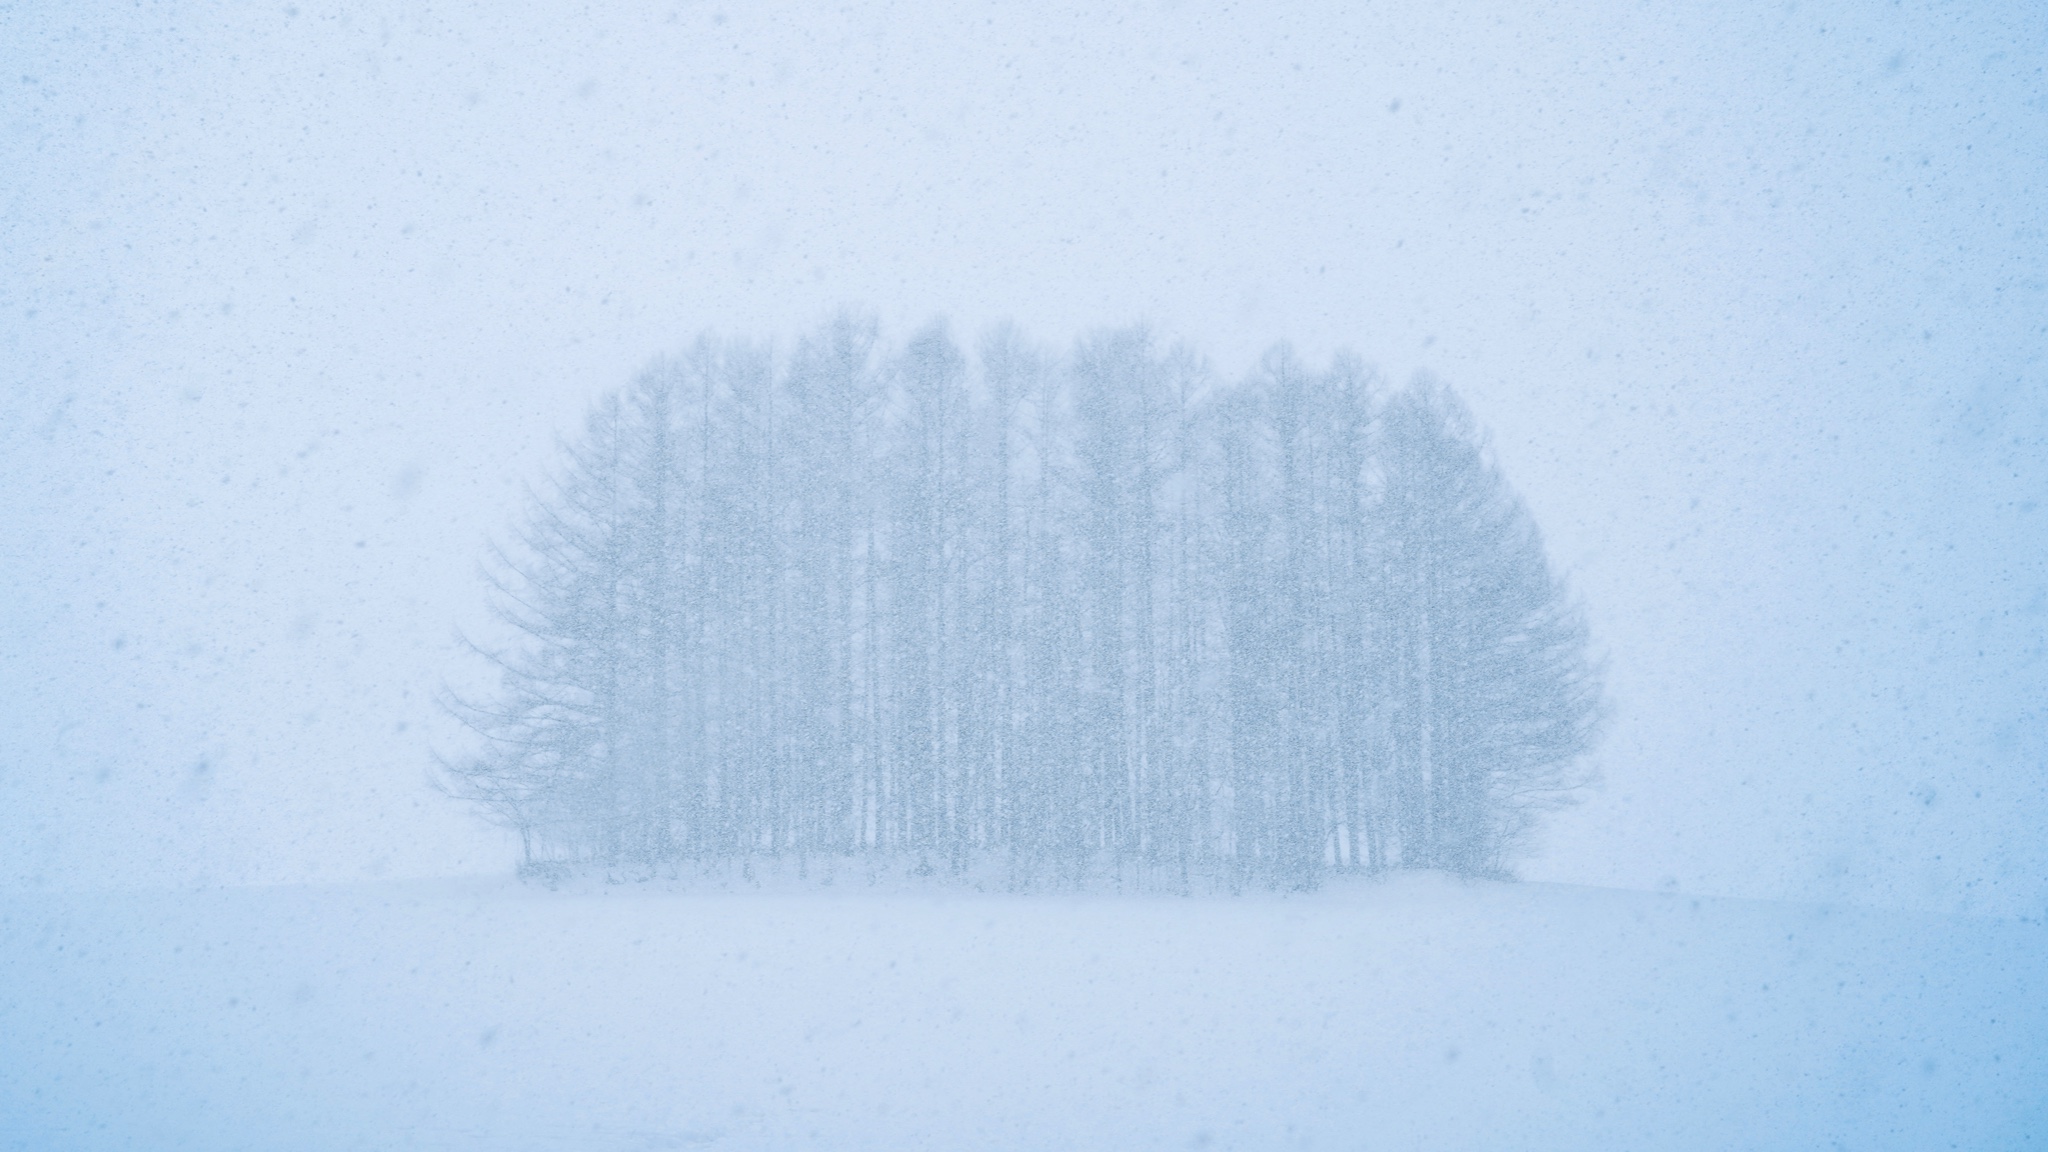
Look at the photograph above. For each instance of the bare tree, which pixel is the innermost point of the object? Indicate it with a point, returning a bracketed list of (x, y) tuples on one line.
[(1494, 697), (1095, 616)]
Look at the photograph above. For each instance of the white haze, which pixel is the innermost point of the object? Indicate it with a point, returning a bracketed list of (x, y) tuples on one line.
[(297, 297)]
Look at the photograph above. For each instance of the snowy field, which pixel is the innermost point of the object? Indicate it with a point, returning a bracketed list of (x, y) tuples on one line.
[(1414, 1013)]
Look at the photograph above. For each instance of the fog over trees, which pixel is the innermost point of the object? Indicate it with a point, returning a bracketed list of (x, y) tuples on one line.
[(1093, 615)]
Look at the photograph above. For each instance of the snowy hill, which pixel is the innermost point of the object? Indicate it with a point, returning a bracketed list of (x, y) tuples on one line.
[(1414, 1013)]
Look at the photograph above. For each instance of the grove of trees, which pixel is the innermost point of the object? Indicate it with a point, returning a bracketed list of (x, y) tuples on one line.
[(1091, 615)]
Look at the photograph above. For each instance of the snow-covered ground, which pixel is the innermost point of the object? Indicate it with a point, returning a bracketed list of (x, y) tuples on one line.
[(1414, 1013)]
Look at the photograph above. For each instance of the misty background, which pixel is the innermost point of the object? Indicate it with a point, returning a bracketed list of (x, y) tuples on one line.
[(298, 298)]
